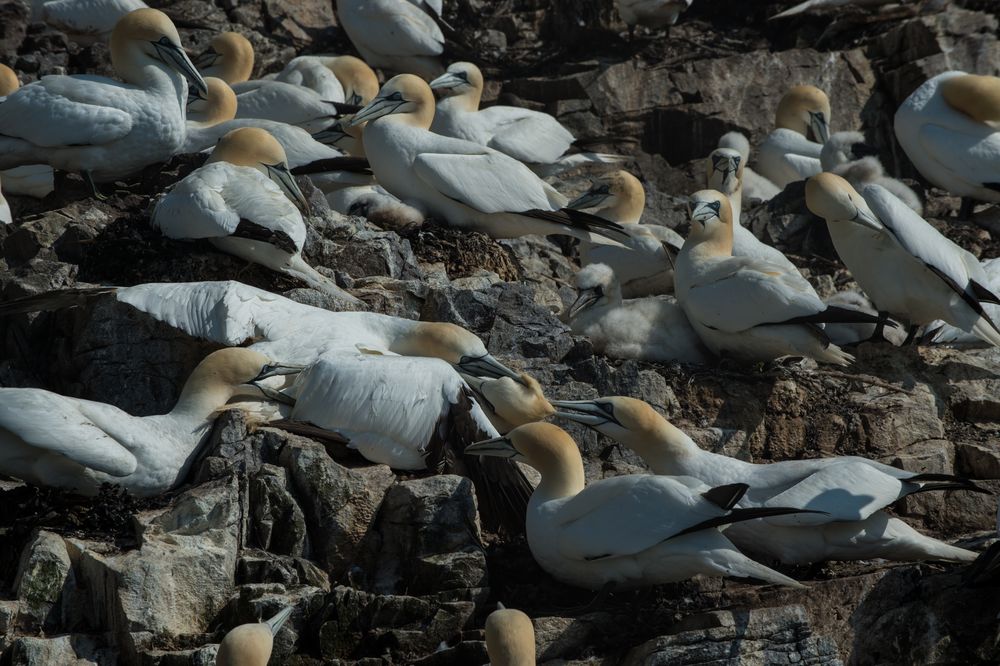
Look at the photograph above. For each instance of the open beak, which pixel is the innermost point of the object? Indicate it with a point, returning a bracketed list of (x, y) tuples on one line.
[(378, 107), (176, 58), (867, 219), (498, 447), (276, 370), (280, 174), (818, 124), (589, 199), (486, 366), (588, 412), (447, 81), (584, 300)]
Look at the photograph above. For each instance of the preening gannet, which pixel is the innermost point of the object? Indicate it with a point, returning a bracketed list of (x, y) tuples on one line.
[(398, 36), (948, 127), (745, 307), (755, 186), (87, 21), (52, 440), (910, 271), (849, 492), (208, 109), (335, 78), (101, 126), (654, 328), (229, 57), (847, 155), (251, 644), (510, 638), (627, 530), (509, 403), (651, 13), (802, 125), (468, 185), (643, 264), (243, 200)]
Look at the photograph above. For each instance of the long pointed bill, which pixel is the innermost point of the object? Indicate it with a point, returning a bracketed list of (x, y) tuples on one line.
[(584, 300), (589, 199), (819, 126), (276, 622), (278, 370), (704, 211), (274, 394), (865, 218), (280, 174), (447, 81), (176, 58), (588, 412), (378, 107), (498, 447), (486, 366)]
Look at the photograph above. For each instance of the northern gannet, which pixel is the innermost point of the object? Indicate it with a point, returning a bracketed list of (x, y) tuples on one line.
[(243, 200), (251, 644), (626, 530), (910, 271), (848, 491), (208, 109), (395, 35), (643, 264), (87, 21), (8, 81), (755, 186), (466, 184), (33, 180), (286, 103), (847, 155), (229, 57), (948, 127), (940, 331), (52, 440), (802, 125), (100, 126), (335, 78), (510, 638), (653, 14), (654, 328), (509, 403), (745, 307)]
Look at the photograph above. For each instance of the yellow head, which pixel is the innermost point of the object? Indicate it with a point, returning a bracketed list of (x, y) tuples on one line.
[(256, 148), (711, 223), (461, 79), (976, 96), (229, 57), (806, 110), (617, 196), (834, 199), (510, 638), (218, 106), (146, 35), (358, 79), (724, 171), (546, 447), (404, 98), (8, 81)]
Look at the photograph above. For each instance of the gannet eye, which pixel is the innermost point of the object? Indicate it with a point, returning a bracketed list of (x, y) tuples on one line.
[(395, 97), (599, 290)]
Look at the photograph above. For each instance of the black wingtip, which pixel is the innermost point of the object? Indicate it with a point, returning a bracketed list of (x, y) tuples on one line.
[(726, 497), (346, 163), (741, 515), (931, 481), (53, 300), (578, 219)]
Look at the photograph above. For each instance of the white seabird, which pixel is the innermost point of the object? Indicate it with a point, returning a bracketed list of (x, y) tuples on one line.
[(939, 331), (100, 126), (948, 127), (745, 307), (229, 57), (52, 440), (87, 21), (243, 200), (510, 638), (251, 644), (654, 328), (802, 125), (335, 78), (468, 185), (33, 180), (848, 492), (910, 271), (755, 186), (398, 36), (286, 103), (630, 530), (847, 155)]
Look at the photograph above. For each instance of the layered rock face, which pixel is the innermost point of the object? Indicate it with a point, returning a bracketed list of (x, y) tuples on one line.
[(389, 568)]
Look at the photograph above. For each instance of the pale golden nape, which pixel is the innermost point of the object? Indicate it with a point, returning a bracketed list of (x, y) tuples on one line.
[(234, 63), (246, 645), (8, 81), (218, 107), (231, 366), (517, 403), (550, 450), (711, 223), (976, 96), (132, 39), (356, 77), (831, 197), (630, 197), (510, 638), (448, 342), (470, 93), (419, 108), (248, 146), (795, 107)]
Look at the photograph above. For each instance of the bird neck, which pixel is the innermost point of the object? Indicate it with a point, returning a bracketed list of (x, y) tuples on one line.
[(662, 447), (469, 99), (623, 211), (562, 478), (704, 245), (202, 395)]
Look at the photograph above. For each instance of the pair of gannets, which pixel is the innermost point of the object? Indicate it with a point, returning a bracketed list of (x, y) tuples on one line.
[(802, 125), (33, 180), (628, 531), (848, 493), (251, 644), (52, 440), (948, 127), (510, 638), (466, 184), (755, 186), (394, 34), (100, 126), (847, 155), (653, 328), (910, 271), (745, 307), (244, 201)]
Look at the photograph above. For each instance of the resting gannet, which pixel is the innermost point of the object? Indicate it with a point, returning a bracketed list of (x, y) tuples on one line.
[(510, 638), (52, 440), (87, 21), (509, 403), (643, 264), (251, 644), (208, 109), (398, 36), (654, 328), (335, 78), (745, 307), (755, 186), (948, 127), (244, 202), (286, 103), (802, 125), (100, 126), (229, 57), (847, 155), (651, 13), (626, 530), (468, 185), (33, 180), (910, 271), (849, 492)]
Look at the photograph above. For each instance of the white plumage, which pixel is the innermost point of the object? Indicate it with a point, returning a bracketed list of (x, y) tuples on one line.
[(399, 36), (284, 103)]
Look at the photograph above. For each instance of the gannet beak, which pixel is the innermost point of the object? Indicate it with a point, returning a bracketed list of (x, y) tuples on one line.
[(865, 218), (588, 412), (704, 211), (378, 107), (498, 447), (195, 95), (280, 174), (278, 370), (276, 622), (589, 199), (584, 300), (817, 122), (175, 57), (487, 366), (331, 135), (447, 81)]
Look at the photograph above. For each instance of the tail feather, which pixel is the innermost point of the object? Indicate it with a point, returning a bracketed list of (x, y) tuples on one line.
[(748, 568), (835, 355), (345, 163), (581, 221), (986, 330), (835, 314), (931, 481), (53, 300)]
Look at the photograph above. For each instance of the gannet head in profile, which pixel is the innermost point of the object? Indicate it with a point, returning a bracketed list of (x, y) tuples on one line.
[(976, 96), (546, 447), (806, 110), (229, 57), (226, 373), (711, 223), (146, 35), (510, 638), (831, 197), (251, 644), (358, 79), (405, 98), (461, 79), (843, 147), (724, 170), (455, 345), (514, 402), (617, 196), (8, 81), (216, 106), (256, 148), (595, 284)]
